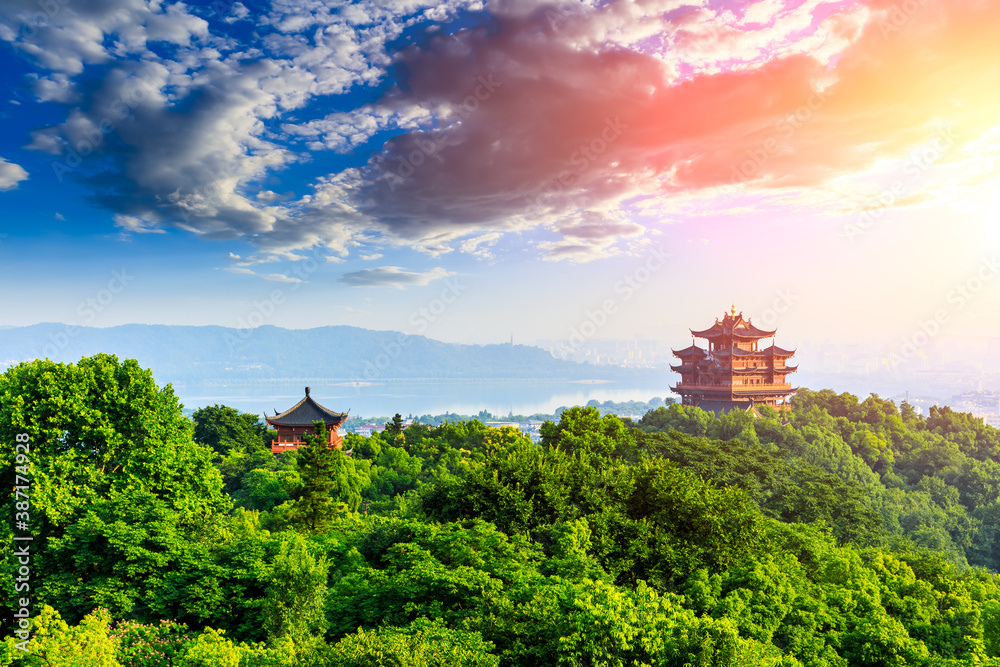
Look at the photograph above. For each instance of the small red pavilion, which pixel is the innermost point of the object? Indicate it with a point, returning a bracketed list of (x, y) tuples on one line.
[(734, 372), (292, 424)]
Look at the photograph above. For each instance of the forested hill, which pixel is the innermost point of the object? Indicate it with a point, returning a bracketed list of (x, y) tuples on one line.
[(193, 353), (845, 534)]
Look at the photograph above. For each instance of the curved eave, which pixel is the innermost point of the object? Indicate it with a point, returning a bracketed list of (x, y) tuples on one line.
[(735, 352), (329, 422), (710, 332), (764, 392), (311, 411), (778, 352), (711, 335), (753, 335)]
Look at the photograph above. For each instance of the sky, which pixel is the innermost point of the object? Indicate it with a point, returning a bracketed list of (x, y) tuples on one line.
[(475, 171)]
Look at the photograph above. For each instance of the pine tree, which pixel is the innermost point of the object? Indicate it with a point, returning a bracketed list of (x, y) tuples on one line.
[(395, 427), (331, 483), (317, 465)]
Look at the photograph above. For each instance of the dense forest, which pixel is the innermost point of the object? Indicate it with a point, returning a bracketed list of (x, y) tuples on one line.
[(843, 533)]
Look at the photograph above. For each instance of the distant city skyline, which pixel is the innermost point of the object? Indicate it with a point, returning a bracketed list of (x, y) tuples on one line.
[(474, 171)]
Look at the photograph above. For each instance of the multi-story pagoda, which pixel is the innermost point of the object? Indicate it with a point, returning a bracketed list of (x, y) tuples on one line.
[(734, 372), (291, 425)]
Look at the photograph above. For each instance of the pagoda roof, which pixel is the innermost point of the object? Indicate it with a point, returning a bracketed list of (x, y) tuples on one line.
[(305, 412), (735, 352), (692, 351), (777, 351), (733, 325)]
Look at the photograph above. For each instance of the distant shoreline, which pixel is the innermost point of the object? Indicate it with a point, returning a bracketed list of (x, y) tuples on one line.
[(350, 382)]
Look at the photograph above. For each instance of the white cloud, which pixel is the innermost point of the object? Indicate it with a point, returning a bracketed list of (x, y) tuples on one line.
[(11, 174), (480, 246), (55, 88), (129, 224), (273, 277), (201, 130), (74, 34), (237, 13), (392, 276)]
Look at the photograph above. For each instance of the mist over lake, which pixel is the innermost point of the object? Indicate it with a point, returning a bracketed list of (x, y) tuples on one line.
[(416, 397)]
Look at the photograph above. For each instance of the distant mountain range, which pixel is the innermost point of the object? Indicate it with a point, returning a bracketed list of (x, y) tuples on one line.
[(205, 353)]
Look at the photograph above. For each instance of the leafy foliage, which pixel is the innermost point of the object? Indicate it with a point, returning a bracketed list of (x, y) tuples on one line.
[(838, 534)]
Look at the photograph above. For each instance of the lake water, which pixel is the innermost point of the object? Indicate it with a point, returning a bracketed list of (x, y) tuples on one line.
[(420, 398)]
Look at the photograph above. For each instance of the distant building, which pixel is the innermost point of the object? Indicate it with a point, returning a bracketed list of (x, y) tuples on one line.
[(733, 373), (291, 425), (366, 430), (515, 425), (983, 405)]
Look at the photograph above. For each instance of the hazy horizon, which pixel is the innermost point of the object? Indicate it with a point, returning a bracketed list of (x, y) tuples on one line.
[(474, 172)]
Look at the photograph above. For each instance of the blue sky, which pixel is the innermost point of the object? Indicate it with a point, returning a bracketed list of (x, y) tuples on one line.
[(322, 162)]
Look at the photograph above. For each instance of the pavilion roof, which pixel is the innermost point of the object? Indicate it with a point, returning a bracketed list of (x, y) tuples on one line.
[(693, 351), (735, 352), (777, 351), (733, 325), (305, 412)]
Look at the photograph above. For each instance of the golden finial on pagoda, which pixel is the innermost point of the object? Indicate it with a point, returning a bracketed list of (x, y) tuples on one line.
[(734, 307)]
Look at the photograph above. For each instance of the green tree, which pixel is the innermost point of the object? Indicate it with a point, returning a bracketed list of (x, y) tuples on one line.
[(294, 607), (585, 431), (56, 644), (395, 427), (423, 643), (239, 439), (331, 482), (262, 489), (317, 464), (103, 437)]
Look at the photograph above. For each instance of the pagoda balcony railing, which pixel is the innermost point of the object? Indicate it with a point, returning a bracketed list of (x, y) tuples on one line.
[(735, 387)]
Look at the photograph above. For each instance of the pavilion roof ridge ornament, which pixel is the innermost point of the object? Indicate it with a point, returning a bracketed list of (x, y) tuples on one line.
[(305, 412), (292, 426)]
